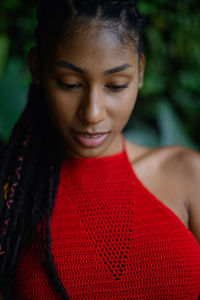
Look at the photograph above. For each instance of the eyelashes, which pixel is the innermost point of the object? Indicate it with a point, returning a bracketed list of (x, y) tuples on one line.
[(117, 87), (72, 87), (68, 86)]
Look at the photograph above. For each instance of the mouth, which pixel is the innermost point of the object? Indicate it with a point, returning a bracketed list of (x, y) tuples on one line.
[(90, 140)]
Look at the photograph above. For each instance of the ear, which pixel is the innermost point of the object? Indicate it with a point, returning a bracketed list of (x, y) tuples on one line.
[(142, 63), (34, 64)]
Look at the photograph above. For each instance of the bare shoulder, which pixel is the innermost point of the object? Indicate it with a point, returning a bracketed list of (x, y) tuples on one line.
[(180, 158), (181, 163), (184, 166), (173, 175), (170, 160)]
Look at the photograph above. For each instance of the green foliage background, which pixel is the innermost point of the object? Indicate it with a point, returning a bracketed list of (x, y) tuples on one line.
[(168, 108)]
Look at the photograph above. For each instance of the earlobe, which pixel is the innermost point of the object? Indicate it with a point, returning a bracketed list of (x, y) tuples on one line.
[(142, 64), (34, 64)]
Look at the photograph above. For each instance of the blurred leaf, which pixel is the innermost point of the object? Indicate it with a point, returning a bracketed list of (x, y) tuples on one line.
[(11, 4), (12, 97), (4, 48), (143, 136), (171, 129)]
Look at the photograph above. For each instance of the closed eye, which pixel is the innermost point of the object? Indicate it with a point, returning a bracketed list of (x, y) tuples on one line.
[(117, 87), (112, 87), (68, 86)]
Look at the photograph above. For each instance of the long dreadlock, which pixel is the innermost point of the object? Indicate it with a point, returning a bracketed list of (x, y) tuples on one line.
[(30, 165)]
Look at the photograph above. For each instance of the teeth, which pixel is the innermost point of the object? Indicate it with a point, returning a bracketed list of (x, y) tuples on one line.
[(92, 136)]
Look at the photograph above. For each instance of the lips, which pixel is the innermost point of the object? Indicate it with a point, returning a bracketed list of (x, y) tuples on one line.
[(90, 140)]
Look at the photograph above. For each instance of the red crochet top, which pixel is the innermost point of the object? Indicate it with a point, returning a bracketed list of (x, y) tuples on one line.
[(112, 239)]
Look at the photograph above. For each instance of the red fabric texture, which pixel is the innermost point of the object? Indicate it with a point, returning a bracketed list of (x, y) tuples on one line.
[(112, 239)]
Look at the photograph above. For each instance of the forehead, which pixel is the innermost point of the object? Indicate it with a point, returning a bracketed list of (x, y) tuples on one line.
[(94, 47)]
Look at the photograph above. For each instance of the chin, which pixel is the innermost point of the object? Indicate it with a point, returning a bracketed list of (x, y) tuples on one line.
[(78, 150)]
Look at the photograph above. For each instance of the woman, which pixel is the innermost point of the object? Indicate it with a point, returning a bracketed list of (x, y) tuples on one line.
[(85, 213)]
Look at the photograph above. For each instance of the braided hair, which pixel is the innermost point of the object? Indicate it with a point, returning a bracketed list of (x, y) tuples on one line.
[(30, 165)]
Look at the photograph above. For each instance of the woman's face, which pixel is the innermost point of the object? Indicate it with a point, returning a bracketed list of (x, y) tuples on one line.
[(91, 84)]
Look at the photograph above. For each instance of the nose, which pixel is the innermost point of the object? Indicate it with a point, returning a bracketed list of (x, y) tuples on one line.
[(92, 107)]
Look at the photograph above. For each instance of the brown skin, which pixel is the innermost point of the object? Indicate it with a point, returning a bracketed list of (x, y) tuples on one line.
[(170, 173), (92, 106)]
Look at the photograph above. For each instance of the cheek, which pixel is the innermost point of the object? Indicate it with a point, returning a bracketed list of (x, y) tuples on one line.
[(61, 108), (124, 108)]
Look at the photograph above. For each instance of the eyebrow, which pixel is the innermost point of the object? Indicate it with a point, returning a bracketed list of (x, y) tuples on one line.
[(72, 67), (117, 69), (69, 66)]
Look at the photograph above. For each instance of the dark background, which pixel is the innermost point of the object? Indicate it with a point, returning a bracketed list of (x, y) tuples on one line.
[(168, 108)]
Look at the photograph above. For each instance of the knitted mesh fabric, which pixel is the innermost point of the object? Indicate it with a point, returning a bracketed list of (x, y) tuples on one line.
[(112, 239)]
